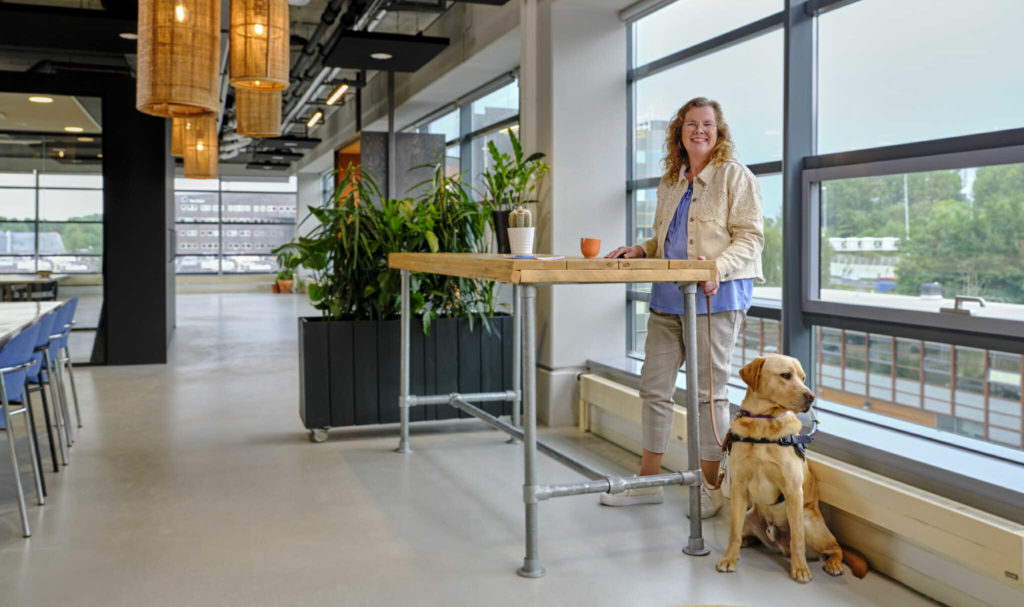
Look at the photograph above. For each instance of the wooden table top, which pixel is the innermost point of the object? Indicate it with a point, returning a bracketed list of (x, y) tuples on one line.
[(16, 316), (29, 279), (497, 267)]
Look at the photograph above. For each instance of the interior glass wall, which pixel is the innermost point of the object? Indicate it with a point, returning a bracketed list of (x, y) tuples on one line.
[(230, 226), (51, 202)]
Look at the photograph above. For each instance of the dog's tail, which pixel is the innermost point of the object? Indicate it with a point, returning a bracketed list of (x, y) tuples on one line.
[(858, 564)]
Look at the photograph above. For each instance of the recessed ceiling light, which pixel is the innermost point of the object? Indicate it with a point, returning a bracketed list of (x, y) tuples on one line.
[(38, 99), (129, 35), (86, 139), (73, 129), (381, 56)]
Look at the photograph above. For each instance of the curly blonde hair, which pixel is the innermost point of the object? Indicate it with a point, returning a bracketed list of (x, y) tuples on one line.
[(677, 158)]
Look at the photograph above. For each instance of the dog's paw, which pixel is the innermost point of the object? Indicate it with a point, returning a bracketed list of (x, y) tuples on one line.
[(726, 564), (834, 566), (800, 573)]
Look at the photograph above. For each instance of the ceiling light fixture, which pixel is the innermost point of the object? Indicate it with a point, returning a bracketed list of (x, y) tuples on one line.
[(381, 56), (178, 58), (200, 146), (129, 35), (259, 44), (86, 139), (337, 94), (73, 129), (39, 99), (315, 118), (258, 113)]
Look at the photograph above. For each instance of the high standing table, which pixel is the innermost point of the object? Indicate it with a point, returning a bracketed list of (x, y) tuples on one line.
[(9, 282), (525, 275)]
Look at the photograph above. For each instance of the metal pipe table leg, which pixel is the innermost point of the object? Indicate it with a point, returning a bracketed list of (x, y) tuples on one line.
[(517, 361), (695, 547), (531, 562), (403, 390)]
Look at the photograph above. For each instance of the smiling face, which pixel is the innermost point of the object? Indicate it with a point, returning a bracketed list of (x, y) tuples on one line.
[(700, 133)]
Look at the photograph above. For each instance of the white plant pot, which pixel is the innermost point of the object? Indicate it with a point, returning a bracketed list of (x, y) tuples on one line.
[(520, 241)]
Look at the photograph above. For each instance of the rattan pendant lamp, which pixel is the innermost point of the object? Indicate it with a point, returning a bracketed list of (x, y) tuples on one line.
[(259, 44), (258, 112), (178, 57), (199, 145), (178, 137)]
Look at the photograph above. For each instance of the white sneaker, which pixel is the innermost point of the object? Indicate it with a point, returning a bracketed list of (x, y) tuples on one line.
[(632, 497), (710, 501)]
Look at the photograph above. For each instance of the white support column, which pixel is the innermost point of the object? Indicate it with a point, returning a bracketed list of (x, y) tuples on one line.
[(573, 108)]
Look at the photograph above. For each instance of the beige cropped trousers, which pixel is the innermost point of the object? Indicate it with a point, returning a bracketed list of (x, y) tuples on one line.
[(665, 351)]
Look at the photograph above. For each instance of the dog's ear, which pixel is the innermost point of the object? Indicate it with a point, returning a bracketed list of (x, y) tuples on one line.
[(752, 372)]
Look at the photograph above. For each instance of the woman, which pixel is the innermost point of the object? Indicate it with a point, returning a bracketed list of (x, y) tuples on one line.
[(709, 207)]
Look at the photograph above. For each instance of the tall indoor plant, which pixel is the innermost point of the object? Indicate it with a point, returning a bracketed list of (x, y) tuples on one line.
[(509, 182), (349, 355)]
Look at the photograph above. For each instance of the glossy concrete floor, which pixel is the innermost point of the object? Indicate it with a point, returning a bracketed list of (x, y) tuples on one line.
[(193, 483)]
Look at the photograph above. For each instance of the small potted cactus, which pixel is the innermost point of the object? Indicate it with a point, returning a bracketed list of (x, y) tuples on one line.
[(520, 231)]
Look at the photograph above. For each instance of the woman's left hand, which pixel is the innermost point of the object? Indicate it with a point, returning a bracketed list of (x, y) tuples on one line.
[(710, 287)]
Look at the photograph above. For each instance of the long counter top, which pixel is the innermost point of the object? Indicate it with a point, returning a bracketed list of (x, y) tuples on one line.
[(563, 270), (16, 316)]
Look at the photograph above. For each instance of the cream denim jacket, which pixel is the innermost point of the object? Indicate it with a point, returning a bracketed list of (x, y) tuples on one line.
[(725, 221)]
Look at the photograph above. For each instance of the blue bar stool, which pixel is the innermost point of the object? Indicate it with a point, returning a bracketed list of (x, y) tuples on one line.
[(15, 359), (51, 357), (59, 352), (37, 382)]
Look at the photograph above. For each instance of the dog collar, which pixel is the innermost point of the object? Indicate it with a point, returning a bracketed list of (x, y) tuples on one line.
[(745, 413)]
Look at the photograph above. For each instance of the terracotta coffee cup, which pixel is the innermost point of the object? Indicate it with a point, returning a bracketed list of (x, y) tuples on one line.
[(590, 247)]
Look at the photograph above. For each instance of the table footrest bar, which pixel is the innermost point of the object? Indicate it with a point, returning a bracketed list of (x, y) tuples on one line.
[(616, 485), (445, 399), (567, 460)]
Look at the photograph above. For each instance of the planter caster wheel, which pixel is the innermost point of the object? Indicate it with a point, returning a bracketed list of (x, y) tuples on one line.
[(318, 435)]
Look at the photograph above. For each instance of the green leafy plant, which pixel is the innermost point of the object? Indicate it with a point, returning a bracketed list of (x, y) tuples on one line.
[(356, 230), (511, 180), (287, 261)]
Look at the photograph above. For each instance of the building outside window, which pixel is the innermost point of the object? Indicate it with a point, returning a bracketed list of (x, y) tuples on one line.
[(51, 222), (231, 226)]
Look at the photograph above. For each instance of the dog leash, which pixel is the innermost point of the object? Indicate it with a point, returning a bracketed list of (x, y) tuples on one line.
[(711, 379)]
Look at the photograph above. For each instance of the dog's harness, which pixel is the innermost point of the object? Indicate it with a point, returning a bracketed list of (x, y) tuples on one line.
[(799, 442)]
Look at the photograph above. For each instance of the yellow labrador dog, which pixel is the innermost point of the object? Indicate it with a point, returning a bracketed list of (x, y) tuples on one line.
[(774, 478)]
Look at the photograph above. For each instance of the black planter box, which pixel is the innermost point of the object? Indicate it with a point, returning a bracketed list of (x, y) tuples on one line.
[(349, 370)]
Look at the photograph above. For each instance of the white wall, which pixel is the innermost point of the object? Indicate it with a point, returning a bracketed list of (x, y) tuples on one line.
[(573, 108)]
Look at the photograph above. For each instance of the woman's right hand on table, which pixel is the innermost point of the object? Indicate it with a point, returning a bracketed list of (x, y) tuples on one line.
[(627, 252)]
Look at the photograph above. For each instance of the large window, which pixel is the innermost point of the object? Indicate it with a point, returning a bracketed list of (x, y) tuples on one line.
[(51, 222), (231, 226), (671, 65), (908, 195), (468, 125), (958, 73)]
